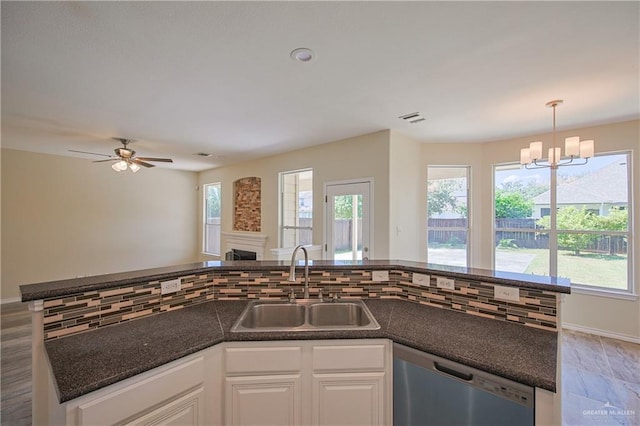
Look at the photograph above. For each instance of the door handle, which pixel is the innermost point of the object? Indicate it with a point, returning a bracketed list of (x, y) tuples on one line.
[(455, 373)]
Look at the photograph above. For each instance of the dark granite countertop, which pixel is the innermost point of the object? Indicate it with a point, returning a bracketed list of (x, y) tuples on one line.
[(66, 287), (92, 360)]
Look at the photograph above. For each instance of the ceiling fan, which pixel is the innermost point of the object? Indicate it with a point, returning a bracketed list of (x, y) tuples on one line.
[(125, 158)]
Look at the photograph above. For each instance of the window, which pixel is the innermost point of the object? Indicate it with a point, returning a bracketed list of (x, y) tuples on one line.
[(212, 218), (296, 208), (447, 215), (589, 243)]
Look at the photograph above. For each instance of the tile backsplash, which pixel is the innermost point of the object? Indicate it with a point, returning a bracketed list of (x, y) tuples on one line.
[(73, 314)]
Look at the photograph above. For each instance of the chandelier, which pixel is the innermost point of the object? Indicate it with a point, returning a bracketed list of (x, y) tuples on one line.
[(574, 149)]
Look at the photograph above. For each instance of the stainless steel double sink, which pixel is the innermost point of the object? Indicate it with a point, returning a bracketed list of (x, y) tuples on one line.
[(305, 315)]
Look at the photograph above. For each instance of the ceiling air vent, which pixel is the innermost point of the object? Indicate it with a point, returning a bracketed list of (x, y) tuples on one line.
[(412, 118)]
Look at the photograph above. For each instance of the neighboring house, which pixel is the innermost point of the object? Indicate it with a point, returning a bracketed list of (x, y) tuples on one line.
[(597, 192)]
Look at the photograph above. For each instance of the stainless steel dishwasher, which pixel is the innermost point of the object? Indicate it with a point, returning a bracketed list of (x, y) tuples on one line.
[(429, 390)]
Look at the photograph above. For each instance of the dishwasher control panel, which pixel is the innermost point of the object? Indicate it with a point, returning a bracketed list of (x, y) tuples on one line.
[(521, 396)]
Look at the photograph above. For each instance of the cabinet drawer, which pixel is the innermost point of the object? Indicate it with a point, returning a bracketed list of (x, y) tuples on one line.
[(352, 358), (131, 400), (262, 360)]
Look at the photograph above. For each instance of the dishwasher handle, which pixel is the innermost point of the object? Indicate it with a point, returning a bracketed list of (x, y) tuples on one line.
[(467, 377)]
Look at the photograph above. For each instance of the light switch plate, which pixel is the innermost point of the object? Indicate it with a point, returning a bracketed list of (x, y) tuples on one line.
[(511, 294), (379, 276), (170, 286), (448, 283), (420, 279)]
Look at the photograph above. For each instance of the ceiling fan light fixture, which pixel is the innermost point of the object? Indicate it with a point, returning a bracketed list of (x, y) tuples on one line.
[(134, 167), (119, 166)]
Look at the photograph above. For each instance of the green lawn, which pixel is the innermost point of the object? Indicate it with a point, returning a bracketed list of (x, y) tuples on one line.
[(588, 268)]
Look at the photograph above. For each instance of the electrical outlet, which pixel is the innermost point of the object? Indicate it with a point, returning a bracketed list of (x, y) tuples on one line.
[(170, 286), (511, 294), (378, 276), (420, 279), (448, 283)]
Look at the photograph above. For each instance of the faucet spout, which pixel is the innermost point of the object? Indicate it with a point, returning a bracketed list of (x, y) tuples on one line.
[(292, 269)]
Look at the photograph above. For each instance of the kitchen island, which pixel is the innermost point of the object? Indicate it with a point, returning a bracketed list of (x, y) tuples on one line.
[(111, 328)]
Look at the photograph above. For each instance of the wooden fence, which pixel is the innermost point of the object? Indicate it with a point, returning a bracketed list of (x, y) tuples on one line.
[(508, 230)]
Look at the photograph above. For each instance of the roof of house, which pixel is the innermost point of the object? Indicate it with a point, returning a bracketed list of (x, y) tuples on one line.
[(601, 186)]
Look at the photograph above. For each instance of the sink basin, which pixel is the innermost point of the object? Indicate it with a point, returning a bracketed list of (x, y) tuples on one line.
[(305, 315), (270, 315), (338, 314)]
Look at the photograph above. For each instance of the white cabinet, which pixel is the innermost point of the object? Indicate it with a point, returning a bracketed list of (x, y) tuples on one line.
[(348, 399), (185, 410), (262, 385), (336, 382), (332, 382), (348, 385), (174, 394), (267, 400)]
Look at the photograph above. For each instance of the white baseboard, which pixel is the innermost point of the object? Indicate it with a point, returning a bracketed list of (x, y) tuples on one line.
[(9, 300), (603, 333)]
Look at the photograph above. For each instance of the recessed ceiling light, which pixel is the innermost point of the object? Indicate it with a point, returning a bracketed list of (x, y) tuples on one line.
[(302, 54)]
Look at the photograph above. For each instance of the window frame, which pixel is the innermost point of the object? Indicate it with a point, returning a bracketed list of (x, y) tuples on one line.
[(469, 215), (205, 219), (281, 210), (629, 292)]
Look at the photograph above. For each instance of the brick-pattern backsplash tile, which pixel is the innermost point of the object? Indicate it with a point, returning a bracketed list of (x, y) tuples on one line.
[(86, 311)]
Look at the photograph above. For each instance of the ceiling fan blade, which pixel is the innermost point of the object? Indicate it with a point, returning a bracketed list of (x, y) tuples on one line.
[(141, 163), (108, 159), (163, 160), (90, 153)]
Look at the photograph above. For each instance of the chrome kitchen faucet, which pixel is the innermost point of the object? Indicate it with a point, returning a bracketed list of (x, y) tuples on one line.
[(292, 270)]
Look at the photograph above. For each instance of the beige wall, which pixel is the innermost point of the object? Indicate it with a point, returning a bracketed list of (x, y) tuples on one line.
[(407, 200), (364, 156), (65, 217), (604, 315)]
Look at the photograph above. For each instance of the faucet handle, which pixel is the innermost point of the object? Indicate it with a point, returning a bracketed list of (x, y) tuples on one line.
[(320, 295), (292, 295), (335, 296)]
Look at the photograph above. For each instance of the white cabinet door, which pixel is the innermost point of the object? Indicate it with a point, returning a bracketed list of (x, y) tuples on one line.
[(332, 383), (348, 399), (184, 411), (263, 400), (177, 386)]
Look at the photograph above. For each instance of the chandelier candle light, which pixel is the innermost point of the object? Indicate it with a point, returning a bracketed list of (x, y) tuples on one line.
[(531, 158)]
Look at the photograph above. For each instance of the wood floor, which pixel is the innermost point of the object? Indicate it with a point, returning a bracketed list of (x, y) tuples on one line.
[(15, 365), (601, 376)]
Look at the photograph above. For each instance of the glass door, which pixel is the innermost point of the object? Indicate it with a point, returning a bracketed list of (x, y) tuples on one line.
[(348, 221)]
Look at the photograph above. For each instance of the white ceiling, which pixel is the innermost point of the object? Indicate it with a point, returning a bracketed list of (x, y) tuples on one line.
[(216, 77)]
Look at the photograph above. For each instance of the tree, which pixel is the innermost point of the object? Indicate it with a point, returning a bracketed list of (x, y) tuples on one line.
[(575, 219), (616, 220), (512, 205), (343, 206), (441, 196), (530, 190), (213, 201)]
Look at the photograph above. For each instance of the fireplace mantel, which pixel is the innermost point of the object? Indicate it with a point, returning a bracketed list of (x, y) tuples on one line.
[(249, 241)]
